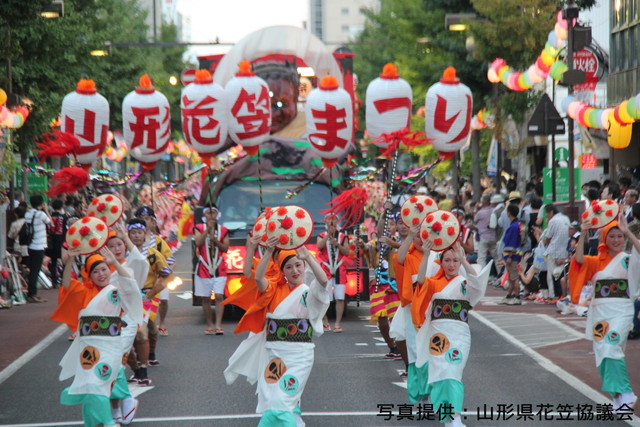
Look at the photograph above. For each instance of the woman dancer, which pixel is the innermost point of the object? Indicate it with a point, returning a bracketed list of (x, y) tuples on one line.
[(615, 276), (440, 309), (287, 313)]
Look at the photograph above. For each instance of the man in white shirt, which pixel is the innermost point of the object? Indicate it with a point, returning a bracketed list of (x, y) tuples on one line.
[(556, 242), (38, 215)]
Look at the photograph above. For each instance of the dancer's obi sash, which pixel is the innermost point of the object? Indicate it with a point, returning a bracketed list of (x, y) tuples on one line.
[(453, 309), (107, 326), (289, 330), (611, 288)]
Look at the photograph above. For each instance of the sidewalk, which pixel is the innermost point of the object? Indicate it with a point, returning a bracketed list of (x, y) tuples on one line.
[(575, 357), (23, 326)]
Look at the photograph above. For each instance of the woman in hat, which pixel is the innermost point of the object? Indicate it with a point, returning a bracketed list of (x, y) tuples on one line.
[(279, 353), (440, 308), (96, 305), (615, 275)]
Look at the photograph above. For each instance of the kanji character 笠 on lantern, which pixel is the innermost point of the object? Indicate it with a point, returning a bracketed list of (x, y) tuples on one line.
[(249, 109), (329, 112), (448, 113), (204, 114), (389, 104), (146, 126), (85, 114)]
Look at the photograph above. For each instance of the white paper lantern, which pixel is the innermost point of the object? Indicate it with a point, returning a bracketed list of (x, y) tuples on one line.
[(146, 126), (85, 114), (329, 116), (204, 114), (249, 107), (448, 113), (388, 105)]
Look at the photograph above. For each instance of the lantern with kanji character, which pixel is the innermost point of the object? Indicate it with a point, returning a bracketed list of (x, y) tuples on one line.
[(448, 113), (85, 114), (249, 109), (329, 118), (204, 114), (389, 104), (146, 126)]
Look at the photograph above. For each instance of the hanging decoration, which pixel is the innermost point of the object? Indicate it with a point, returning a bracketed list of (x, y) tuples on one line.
[(120, 151), (618, 136), (11, 119), (67, 181), (448, 108), (389, 103), (329, 115), (348, 206), (146, 123), (85, 114), (249, 107), (482, 120), (545, 65), (204, 115), (57, 144)]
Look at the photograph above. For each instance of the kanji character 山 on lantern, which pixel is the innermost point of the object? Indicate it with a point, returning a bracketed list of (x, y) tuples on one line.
[(448, 113), (85, 114), (388, 105), (146, 126), (329, 116), (204, 114), (249, 109)]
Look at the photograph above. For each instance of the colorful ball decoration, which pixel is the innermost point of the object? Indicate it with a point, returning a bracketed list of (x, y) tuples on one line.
[(204, 114), (329, 115), (85, 114), (416, 208), (389, 103), (249, 108), (601, 213), (448, 113), (618, 135), (292, 225), (106, 207), (88, 235), (442, 228), (146, 126)]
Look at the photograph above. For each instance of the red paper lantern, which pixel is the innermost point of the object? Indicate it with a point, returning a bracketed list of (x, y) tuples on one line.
[(448, 113), (204, 114), (85, 114), (146, 126), (329, 115), (249, 109), (389, 104)]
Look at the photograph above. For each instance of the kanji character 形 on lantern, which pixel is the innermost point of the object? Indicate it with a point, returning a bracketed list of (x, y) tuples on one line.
[(146, 123), (85, 114)]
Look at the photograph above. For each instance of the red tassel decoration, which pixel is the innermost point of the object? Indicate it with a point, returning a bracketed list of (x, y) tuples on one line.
[(57, 144), (404, 136), (348, 206), (68, 180)]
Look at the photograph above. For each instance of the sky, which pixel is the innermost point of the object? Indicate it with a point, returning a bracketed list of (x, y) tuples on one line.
[(231, 20)]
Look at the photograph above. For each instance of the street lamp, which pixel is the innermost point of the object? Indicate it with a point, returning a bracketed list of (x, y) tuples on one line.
[(54, 10), (455, 21)]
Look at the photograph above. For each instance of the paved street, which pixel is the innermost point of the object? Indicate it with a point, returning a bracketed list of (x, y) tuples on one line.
[(527, 355)]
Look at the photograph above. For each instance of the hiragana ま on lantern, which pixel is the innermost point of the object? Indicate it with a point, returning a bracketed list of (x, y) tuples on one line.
[(448, 113), (85, 114), (249, 108), (204, 114), (146, 126), (329, 116), (388, 105)]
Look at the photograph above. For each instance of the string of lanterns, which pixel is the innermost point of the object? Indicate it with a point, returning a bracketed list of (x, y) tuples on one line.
[(11, 119)]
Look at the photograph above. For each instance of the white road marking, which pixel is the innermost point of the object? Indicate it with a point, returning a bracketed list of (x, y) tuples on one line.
[(361, 344), (381, 344), (547, 364), (136, 390), (31, 353), (185, 295)]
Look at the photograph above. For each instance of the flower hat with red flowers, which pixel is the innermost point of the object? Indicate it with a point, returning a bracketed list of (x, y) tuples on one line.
[(260, 226), (88, 234), (601, 213), (442, 228), (106, 207), (292, 225), (415, 208)]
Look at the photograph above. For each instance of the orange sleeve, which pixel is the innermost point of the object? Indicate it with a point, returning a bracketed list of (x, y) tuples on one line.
[(420, 303), (71, 301), (400, 270), (248, 292), (580, 274)]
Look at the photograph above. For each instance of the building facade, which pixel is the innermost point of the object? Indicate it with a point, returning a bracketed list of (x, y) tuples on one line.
[(337, 22), (624, 77)]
